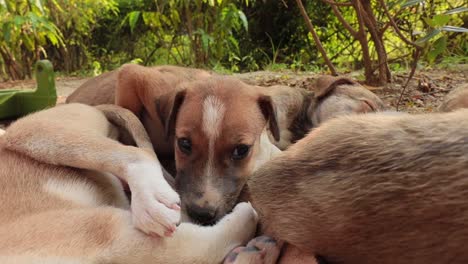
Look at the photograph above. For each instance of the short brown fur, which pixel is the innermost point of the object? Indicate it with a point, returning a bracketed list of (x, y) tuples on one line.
[(372, 189)]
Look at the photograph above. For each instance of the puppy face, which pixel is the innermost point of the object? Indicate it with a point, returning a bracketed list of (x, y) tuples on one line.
[(218, 124)]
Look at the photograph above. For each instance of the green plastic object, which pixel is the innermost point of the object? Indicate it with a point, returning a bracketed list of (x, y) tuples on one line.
[(17, 103)]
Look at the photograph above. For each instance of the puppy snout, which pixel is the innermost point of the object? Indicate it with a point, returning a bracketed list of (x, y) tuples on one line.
[(202, 215)]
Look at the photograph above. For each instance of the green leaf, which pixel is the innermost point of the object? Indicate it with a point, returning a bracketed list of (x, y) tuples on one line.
[(7, 31), (428, 36), (411, 3), (133, 19), (206, 40), (28, 42), (243, 18), (439, 46), (456, 10), (18, 20), (454, 29), (439, 20)]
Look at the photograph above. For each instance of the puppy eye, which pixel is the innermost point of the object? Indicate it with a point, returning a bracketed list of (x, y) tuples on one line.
[(240, 152), (185, 145)]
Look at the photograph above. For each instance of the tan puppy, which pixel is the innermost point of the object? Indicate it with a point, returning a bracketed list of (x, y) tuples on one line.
[(299, 111), (218, 125), (336, 96), (62, 204), (102, 89), (456, 99), (372, 189)]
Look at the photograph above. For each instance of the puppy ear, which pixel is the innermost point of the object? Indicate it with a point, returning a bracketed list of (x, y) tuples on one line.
[(167, 107), (269, 112), (367, 106), (326, 84), (130, 83)]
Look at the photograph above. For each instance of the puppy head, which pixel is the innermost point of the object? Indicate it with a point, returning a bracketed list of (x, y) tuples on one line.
[(218, 125), (336, 96)]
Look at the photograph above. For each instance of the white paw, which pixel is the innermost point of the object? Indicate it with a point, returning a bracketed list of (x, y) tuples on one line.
[(155, 205), (245, 209), (243, 216)]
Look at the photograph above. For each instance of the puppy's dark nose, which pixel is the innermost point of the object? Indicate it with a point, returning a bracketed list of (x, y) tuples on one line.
[(202, 215)]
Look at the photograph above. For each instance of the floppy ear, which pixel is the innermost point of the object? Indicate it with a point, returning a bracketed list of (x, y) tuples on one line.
[(326, 84), (269, 112), (167, 107), (130, 83)]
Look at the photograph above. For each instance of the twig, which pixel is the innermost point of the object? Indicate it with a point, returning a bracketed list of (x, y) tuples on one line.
[(316, 38), (342, 20), (337, 4), (395, 27), (413, 70)]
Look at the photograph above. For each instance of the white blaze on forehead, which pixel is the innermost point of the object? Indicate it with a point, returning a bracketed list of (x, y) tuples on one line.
[(213, 115)]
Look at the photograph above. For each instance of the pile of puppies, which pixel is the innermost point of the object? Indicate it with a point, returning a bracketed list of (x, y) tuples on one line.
[(348, 187)]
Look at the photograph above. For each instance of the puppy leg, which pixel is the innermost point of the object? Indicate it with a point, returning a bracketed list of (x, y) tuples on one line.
[(105, 235), (260, 250), (210, 244), (2, 132), (79, 140), (292, 255)]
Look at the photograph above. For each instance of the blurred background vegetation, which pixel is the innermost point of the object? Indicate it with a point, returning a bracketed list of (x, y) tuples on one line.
[(87, 37)]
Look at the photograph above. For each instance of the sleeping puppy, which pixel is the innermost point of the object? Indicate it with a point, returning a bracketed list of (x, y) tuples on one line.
[(455, 99), (299, 110), (62, 202), (337, 96), (371, 189)]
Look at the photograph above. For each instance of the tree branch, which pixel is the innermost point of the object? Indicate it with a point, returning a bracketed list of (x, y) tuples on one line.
[(316, 38), (343, 21), (395, 26), (337, 4), (413, 70)]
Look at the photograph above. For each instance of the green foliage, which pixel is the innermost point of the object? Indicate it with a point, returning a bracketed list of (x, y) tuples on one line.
[(91, 37)]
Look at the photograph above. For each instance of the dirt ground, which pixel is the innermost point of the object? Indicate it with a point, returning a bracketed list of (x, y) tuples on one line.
[(424, 93)]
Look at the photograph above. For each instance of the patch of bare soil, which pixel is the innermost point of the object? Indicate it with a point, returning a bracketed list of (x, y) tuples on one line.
[(424, 93)]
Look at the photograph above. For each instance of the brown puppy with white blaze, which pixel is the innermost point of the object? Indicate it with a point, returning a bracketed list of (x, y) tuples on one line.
[(371, 189), (61, 201), (214, 126), (220, 135)]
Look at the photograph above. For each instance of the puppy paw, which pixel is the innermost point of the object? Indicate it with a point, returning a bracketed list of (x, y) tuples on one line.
[(240, 225), (155, 205), (245, 255), (260, 250)]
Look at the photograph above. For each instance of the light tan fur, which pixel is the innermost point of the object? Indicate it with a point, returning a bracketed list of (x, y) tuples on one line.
[(62, 202), (372, 189), (455, 99), (337, 96)]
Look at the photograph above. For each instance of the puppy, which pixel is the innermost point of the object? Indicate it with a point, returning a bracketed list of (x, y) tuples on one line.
[(336, 96), (61, 202), (456, 99), (214, 127), (371, 189), (102, 89), (299, 110)]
